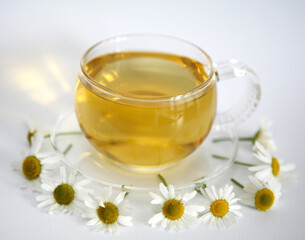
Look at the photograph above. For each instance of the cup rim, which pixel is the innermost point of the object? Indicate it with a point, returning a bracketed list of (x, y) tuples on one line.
[(117, 94)]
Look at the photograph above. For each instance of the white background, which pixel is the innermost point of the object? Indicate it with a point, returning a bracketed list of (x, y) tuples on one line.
[(41, 43)]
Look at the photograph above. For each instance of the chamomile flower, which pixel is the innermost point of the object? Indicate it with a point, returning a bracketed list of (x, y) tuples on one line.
[(65, 195), (36, 164), (107, 212), (32, 129), (174, 211), (272, 167), (264, 137), (261, 194), (221, 207)]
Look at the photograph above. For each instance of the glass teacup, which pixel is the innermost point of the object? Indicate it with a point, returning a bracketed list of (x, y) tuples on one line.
[(147, 101)]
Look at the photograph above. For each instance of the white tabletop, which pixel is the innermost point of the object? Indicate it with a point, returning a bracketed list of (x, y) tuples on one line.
[(41, 45)]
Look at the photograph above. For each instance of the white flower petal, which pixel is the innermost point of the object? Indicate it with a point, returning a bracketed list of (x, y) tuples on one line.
[(91, 204), (230, 189), (258, 167), (164, 191), (125, 220), (172, 226), (171, 191), (107, 194), (188, 196), (206, 217), (180, 226), (164, 223), (262, 152), (56, 208), (214, 192), (210, 194), (47, 187), (46, 154), (93, 221), (50, 160), (226, 221), (287, 167), (234, 200), (119, 198), (231, 197), (157, 201), (205, 195), (155, 196), (114, 228), (36, 144), (235, 212), (89, 214), (213, 221), (251, 188), (220, 193), (50, 211), (63, 174), (226, 192), (189, 221), (247, 199), (45, 203), (82, 183), (220, 223), (231, 218), (156, 218), (43, 197), (194, 208), (264, 175), (256, 182), (72, 177), (235, 207)]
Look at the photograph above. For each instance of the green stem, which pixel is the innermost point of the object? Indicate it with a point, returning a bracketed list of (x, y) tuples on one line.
[(220, 157), (125, 190), (67, 149), (244, 164), (162, 179), (29, 137), (235, 162), (198, 188), (237, 183), (251, 139), (64, 134), (221, 139), (198, 179)]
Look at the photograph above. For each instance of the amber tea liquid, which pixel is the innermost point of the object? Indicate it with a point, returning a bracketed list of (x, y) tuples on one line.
[(153, 132)]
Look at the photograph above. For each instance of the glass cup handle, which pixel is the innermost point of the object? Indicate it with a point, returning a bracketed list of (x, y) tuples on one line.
[(249, 101)]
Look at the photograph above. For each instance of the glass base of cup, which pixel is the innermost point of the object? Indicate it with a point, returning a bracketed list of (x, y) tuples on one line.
[(144, 169), (196, 169)]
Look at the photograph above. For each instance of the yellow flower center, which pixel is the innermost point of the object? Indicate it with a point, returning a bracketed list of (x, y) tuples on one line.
[(219, 208), (108, 214), (257, 135), (63, 194), (264, 199), (173, 209), (31, 167), (275, 166)]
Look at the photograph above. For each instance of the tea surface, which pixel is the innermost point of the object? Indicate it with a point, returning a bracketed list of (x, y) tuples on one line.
[(150, 135)]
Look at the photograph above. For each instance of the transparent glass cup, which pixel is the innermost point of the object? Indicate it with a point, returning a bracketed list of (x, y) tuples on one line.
[(147, 134)]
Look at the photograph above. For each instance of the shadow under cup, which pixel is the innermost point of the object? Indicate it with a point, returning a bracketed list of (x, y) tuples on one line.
[(145, 101)]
